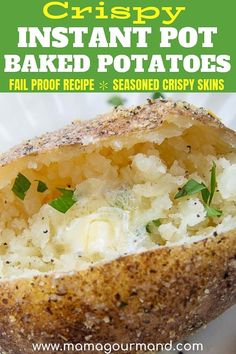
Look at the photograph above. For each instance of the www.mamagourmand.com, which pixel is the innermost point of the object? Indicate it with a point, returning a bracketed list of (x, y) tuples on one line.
[(108, 348)]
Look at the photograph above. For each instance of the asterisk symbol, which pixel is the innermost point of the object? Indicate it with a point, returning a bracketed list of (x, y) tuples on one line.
[(103, 85)]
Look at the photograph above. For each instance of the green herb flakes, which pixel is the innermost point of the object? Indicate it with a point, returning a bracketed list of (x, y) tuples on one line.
[(42, 187), (191, 187), (64, 202), (205, 195), (116, 101), (212, 212), (213, 182), (152, 226), (157, 95), (21, 186)]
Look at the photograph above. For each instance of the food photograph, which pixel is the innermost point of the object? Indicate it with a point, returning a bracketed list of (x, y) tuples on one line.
[(118, 223), (117, 177)]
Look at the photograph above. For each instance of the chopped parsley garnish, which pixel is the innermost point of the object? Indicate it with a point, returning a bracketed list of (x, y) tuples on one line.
[(205, 195), (42, 187), (64, 202), (213, 182), (157, 95), (116, 101), (193, 187), (153, 225), (212, 212), (21, 186)]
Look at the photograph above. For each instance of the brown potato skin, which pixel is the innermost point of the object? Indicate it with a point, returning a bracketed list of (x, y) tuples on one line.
[(153, 297), (120, 122)]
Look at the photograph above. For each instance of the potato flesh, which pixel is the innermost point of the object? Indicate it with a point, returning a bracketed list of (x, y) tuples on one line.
[(121, 186)]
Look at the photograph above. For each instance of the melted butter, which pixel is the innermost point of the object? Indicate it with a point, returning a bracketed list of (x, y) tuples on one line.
[(99, 233)]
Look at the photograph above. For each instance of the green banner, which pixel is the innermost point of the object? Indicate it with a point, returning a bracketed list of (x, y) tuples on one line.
[(117, 46)]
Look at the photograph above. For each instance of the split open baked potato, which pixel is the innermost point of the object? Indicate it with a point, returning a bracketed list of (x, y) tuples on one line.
[(121, 229)]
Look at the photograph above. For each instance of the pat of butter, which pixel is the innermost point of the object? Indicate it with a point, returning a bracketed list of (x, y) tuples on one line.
[(97, 233)]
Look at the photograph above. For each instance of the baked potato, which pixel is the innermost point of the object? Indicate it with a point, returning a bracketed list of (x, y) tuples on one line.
[(121, 229)]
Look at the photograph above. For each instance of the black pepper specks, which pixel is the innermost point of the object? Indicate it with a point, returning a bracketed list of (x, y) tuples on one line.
[(226, 275), (117, 297), (134, 293), (122, 304), (150, 102), (49, 310), (153, 271), (189, 147)]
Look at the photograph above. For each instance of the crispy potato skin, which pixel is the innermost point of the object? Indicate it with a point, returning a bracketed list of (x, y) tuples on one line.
[(120, 122), (154, 296), (151, 297)]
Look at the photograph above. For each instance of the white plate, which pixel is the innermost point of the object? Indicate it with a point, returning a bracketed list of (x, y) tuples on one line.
[(24, 116)]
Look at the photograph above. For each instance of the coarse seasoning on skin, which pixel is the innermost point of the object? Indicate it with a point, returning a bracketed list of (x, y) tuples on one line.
[(119, 122), (160, 267)]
